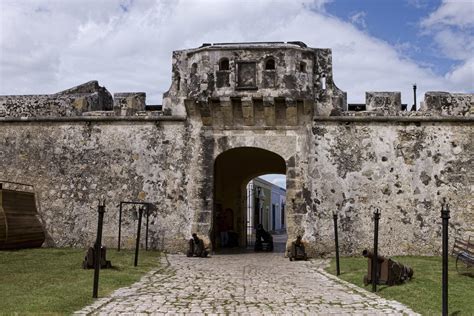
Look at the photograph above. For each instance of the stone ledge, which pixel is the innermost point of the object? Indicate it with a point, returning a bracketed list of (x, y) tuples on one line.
[(93, 119)]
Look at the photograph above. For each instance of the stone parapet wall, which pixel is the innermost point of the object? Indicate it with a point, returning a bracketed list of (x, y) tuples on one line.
[(46, 105), (387, 103), (449, 104), (403, 168), (88, 99), (73, 164), (127, 104)]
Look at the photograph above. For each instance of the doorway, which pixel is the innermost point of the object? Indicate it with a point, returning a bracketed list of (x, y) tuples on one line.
[(234, 169)]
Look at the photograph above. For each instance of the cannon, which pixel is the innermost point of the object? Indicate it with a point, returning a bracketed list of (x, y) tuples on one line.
[(89, 259), (390, 272)]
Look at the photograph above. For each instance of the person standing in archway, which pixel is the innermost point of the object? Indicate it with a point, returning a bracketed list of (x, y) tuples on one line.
[(225, 225), (232, 236)]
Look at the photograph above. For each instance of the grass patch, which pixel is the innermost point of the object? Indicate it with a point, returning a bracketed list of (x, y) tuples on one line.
[(52, 280), (423, 292)]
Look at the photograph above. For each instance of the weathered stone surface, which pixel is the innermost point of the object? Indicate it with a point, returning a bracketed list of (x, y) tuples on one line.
[(388, 103), (444, 103), (392, 167), (129, 103), (195, 72), (72, 102)]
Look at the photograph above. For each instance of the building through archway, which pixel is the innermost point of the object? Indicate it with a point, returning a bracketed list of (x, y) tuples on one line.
[(266, 206)]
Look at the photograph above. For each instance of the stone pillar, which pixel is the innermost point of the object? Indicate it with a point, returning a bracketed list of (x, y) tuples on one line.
[(308, 109), (269, 111), (226, 107), (205, 111), (190, 107), (248, 111), (291, 112)]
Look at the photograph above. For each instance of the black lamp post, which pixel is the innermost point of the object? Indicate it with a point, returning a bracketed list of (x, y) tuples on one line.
[(334, 216), (376, 244), (445, 216), (97, 250)]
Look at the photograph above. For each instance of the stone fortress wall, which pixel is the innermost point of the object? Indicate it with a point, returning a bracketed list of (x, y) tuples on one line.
[(81, 144)]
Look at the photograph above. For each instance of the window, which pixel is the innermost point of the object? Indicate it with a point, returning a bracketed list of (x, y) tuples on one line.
[(270, 64), (224, 64), (194, 68), (302, 66)]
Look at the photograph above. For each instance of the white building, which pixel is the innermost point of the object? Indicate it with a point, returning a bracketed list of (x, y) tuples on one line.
[(265, 205)]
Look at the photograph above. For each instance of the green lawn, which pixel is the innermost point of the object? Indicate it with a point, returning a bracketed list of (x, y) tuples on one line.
[(52, 280), (423, 292)]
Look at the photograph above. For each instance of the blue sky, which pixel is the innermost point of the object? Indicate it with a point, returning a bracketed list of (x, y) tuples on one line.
[(398, 23)]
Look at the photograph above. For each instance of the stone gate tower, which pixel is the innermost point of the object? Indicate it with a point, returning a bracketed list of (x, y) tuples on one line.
[(244, 97)]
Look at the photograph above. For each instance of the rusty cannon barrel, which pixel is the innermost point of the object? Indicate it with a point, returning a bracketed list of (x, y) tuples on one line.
[(369, 254), (389, 272)]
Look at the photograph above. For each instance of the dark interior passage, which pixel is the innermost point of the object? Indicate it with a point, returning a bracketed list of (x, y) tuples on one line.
[(233, 171)]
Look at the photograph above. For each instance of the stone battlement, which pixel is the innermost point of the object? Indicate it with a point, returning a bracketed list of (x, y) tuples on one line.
[(238, 83), (88, 99)]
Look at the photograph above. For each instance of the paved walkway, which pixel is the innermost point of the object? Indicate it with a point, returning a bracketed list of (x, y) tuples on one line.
[(249, 283)]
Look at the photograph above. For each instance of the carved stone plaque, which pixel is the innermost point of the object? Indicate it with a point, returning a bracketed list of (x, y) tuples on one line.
[(246, 75)]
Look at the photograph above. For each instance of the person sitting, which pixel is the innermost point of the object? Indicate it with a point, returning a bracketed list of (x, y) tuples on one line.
[(263, 238), (196, 247), (297, 251)]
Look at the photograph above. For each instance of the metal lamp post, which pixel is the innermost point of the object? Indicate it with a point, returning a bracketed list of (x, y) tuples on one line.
[(445, 216)]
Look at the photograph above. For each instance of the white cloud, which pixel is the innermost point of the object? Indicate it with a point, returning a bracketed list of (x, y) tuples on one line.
[(458, 13), (47, 46), (358, 18), (276, 179), (451, 26), (463, 74)]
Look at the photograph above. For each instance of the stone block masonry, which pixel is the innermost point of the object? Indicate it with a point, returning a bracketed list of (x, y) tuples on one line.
[(80, 144)]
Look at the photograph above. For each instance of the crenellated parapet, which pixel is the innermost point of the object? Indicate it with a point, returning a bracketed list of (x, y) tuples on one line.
[(435, 104)]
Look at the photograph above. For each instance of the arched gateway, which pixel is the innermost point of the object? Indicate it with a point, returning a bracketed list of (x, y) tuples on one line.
[(253, 120), (233, 169), (235, 111)]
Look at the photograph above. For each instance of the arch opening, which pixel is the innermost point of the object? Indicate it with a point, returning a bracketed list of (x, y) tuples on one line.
[(224, 64), (270, 63), (239, 197)]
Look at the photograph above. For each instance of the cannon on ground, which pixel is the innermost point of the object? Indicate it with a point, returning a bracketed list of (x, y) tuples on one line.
[(89, 259), (389, 272)]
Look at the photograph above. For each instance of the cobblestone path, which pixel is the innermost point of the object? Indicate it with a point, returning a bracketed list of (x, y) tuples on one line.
[(251, 284)]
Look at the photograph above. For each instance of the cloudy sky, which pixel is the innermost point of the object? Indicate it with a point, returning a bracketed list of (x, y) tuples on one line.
[(50, 45), (378, 45)]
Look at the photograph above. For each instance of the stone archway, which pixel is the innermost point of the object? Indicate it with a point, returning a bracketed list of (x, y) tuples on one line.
[(233, 169), (289, 144)]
